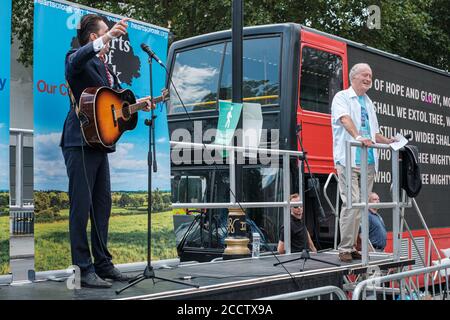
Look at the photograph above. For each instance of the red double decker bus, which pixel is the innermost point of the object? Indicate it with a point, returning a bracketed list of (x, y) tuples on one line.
[(293, 72)]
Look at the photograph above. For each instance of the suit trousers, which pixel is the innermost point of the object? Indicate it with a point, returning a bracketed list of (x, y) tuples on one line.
[(350, 219), (90, 198)]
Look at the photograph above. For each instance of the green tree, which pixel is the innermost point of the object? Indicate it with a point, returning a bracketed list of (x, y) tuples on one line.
[(115, 197), (157, 201), (4, 199), (54, 200), (4, 203), (41, 201), (125, 200), (48, 215), (167, 199), (415, 29), (134, 202), (63, 199), (141, 200)]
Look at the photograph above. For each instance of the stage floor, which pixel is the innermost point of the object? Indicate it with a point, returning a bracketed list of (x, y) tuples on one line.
[(232, 279)]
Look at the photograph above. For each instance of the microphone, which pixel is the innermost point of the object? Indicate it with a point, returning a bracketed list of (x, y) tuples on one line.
[(407, 136), (150, 52)]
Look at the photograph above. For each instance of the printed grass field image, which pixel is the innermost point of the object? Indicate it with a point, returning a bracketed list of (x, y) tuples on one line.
[(127, 239)]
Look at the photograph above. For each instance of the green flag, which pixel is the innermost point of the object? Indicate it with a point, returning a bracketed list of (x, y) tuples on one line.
[(229, 114)]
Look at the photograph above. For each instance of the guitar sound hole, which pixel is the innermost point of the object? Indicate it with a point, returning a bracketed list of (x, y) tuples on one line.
[(126, 111)]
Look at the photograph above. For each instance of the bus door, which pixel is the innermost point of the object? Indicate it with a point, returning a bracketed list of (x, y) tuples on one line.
[(323, 70)]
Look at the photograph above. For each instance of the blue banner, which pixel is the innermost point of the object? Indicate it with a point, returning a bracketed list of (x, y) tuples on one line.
[(55, 24), (55, 29), (5, 57)]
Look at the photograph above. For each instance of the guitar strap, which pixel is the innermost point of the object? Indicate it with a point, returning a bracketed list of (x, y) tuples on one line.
[(72, 99), (80, 115)]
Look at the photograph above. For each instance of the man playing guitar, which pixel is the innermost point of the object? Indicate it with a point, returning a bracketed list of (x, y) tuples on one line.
[(88, 168)]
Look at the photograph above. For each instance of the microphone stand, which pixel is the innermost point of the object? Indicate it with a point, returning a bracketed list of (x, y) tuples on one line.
[(149, 272), (305, 256)]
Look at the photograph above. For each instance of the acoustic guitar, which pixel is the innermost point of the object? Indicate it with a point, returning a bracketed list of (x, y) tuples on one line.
[(105, 114)]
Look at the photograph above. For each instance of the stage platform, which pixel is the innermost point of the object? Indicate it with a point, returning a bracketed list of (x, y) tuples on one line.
[(241, 279)]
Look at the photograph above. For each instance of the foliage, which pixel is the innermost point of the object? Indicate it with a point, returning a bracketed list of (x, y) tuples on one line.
[(4, 199), (53, 205), (4, 203), (4, 245), (41, 201), (127, 241), (160, 201), (124, 200), (415, 29), (48, 215), (50, 199), (22, 28)]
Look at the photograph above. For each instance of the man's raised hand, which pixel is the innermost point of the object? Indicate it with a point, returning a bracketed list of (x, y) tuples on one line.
[(119, 29)]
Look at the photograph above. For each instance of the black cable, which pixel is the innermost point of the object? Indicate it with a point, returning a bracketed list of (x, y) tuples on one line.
[(303, 266), (102, 244), (191, 226), (217, 168), (311, 175), (313, 179), (226, 277)]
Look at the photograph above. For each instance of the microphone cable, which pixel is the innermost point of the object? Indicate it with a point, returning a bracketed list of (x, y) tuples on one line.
[(92, 215), (314, 186), (91, 204)]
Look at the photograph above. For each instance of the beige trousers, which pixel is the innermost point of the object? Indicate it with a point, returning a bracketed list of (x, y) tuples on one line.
[(349, 220)]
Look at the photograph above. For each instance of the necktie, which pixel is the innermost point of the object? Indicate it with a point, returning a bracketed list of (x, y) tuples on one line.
[(108, 74)]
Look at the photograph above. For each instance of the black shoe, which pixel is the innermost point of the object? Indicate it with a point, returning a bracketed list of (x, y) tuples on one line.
[(356, 255), (92, 280), (114, 274)]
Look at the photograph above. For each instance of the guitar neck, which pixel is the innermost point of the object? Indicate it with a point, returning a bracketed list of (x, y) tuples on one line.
[(142, 105)]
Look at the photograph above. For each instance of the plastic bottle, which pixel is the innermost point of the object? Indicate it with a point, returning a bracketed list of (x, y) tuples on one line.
[(256, 245)]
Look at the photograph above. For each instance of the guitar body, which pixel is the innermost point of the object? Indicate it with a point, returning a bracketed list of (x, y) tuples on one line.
[(105, 116)]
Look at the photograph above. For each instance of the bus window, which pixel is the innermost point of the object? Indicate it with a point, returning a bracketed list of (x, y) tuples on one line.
[(261, 71), (196, 76), (264, 184), (200, 185), (189, 188), (320, 79)]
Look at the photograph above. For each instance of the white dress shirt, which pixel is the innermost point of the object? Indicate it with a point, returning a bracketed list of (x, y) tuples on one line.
[(345, 102), (98, 44)]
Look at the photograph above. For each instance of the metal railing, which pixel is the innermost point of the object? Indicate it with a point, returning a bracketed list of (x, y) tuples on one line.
[(21, 216), (21, 222), (286, 204), (431, 243), (426, 261), (425, 283), (334, 209), (318, 293), (20, 135), (406, 202), (396, 204)]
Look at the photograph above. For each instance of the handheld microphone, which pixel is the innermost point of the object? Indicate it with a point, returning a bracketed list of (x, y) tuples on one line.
[(150, 52), (407, 136)]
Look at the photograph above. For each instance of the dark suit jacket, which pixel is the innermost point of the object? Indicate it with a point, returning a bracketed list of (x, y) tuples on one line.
[(83, 70)]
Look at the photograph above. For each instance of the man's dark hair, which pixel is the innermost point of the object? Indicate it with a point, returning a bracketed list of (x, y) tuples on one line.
[(88, 24)]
